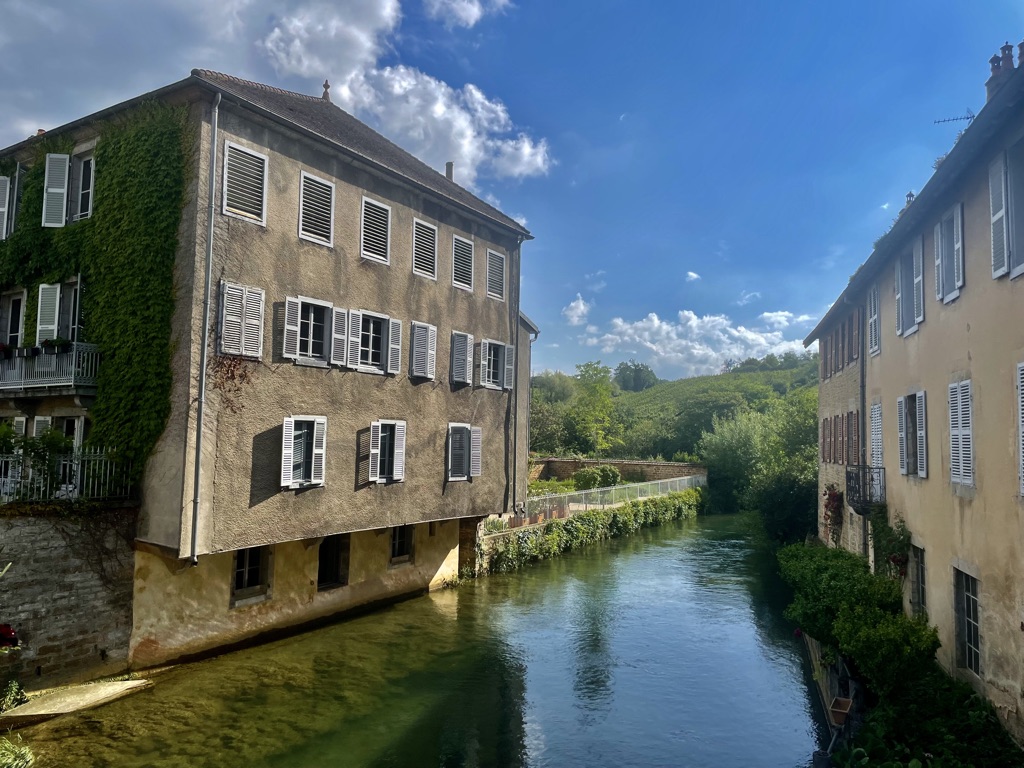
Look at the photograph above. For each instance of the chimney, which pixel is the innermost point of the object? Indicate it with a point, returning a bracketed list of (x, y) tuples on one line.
[(1002, 68), (449, 170)]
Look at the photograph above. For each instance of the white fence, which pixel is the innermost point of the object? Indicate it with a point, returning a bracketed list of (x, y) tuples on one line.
[(540, 509), (75, 366), (86, 474)]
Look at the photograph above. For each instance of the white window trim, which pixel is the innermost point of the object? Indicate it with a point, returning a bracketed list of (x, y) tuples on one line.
[(415, 271), (398, 461), (472, 265), (385, 347), (452, 426), (874, 337), (76, 194), (362, 225), (504, 275), (315, 361), (5, 303), (485, 363), (303, 175), (288, 451), (262, 221)]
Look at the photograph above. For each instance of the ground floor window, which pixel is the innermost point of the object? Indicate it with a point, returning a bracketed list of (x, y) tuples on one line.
[(401, 544), (252, 573), (333, 564), (918, 602), (968, 625)]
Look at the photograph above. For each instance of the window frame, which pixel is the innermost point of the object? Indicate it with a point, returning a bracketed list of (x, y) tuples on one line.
[(312, 238), (339, 570), (472, 264), (406, 557), (368, 255), (6, 299), (473, 462), (75, 194), (319, 361), (874, 337), (241, 215), (967, 596), (433, 227), (504, 265), (961, 451), (918, 582), (397, 450), (912, 433), (288, 480), (910, 265), (949, 255), (251, 594), (504, 378)]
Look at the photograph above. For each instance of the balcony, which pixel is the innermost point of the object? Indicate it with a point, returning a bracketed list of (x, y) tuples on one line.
[(88, 473), (865, 487), (65, 371)]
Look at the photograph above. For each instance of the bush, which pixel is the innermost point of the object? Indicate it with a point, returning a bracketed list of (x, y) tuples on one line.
[(14, 754), (601, 476)]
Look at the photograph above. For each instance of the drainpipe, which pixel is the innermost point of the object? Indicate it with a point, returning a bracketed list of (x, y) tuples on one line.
[(205, 333), (515, 383)]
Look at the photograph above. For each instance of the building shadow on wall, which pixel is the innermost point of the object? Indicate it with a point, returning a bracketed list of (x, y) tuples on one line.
[(265, 473)]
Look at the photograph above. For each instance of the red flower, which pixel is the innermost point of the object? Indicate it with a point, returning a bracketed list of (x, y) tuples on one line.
[(8, 637)]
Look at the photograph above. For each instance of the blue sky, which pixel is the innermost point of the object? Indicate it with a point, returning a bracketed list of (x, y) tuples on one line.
[(701, 179)]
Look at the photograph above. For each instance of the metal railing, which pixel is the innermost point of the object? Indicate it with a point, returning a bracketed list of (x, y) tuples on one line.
[(540, 509), (89, 473), (77, 366), (865, 486)]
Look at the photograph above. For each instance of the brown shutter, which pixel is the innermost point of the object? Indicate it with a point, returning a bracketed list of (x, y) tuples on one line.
[(856, 437), (821, 440)]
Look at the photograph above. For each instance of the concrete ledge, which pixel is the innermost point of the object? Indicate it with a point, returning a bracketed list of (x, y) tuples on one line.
[(66, 700)]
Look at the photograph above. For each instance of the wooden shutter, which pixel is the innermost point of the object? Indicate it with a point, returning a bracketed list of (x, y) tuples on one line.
[(919, 280), (462, 357), (937, 235), (339, 336), (899, 296), (316, 210), (484, 358), (287, 451), (5, 204), (958, 245), (1020, 426), (355, 334), (48, 314), (252, 331), (856, 334), (475, 451), (376, 230), (842, 439), (398, 473), (821, 441), (55, 190), (856, 437), (901, 422), (418, 336), (319, 449), (424, 249), (458, 452), (374, 474), (19, 426), (828, 440), (876, 434), (873, 337), (462, 262), (997, 210), (955, 454), (495, 275), (966, 435), (245, 183), (431, 351), (291, 327), (922, 437), (394, 345), (510, 366), (231, 318)]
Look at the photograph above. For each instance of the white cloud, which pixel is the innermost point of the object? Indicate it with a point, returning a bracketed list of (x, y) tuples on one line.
[(778, 320), (592, 329), (747, 296), (595, 281), (577, 310), (691, 276), (462, 13), (884, 206), (692, 345), (553, 345)]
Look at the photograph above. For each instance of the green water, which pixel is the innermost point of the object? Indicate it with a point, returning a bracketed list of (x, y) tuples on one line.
[(665, 649)]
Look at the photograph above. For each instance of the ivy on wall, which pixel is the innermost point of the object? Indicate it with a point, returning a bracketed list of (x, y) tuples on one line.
[(125, 253)]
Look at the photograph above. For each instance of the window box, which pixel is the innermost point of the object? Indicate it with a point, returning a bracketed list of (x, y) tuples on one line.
[(26, 351)]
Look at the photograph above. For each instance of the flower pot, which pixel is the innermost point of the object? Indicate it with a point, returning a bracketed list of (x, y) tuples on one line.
[(840, 709), (64, 348), (49, 350)]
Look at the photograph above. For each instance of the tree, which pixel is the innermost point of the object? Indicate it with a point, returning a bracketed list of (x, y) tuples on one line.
[(634, 376), (589, 421)]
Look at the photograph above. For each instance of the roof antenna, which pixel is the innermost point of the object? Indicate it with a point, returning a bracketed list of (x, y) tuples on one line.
[(327, 90), (968, 117)]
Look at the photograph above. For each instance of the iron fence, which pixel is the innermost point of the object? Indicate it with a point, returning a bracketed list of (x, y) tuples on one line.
[(76, 366), (88, 473), (865, 486)]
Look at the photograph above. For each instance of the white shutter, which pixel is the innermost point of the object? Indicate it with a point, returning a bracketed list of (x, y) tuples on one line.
[(424, 248), (48, 314), (966, 435), (287, 451), (339, 336), (462, 360), (495, 275), (232, 313), (469, 358), (5, 203), (418, 340), (938, 261), (376, 230), (922, 437), (462, 262), (1020, 426), (355, 334), (40, 424), (394, 346), (398, 472), (919, 280), (510, 366), (291, 327), (19, 426), (873, 338), (899, 296), (374, 473), (876, 435), (901, 426), (457, 452), (431, 351), (319, 449), (316, 210), (55, 190), (475, 451), (484, 358), (958, 245), (955, 456), (245, 183), (252, 320), (997, 210)]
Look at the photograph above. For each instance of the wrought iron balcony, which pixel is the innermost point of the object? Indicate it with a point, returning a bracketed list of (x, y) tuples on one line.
[(71, 369), (88, 473), (865, 487)]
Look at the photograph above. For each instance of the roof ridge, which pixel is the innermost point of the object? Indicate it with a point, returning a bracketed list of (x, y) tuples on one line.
[(206, 73)]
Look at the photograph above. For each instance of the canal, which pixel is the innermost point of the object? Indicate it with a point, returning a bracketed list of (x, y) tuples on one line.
[(665, 649)]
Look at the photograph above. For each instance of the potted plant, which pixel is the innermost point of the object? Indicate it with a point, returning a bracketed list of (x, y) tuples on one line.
[(26, 351), (53, 346)]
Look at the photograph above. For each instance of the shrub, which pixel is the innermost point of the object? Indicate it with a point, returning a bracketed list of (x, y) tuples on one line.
[(608, 475), (14, 754), (586, 478)]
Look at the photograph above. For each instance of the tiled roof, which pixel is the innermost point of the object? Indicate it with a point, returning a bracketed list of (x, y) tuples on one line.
[(338, 127)]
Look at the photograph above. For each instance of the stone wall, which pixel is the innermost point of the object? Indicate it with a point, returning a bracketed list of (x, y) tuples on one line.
[(70, 603), (632, 471)]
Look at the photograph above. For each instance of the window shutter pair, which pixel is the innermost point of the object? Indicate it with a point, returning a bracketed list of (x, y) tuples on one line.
[(376, 231), (921, 470), (945, 251), (5, 204), (462, 357), (392, 332), (961, 437), (922, 436), (465, 446), (288, 450), (495, 275), (55, 190), (997, 178), (398, 465), (241, 320), (899, 296), (316, 210), (245, 183), (423, 340)]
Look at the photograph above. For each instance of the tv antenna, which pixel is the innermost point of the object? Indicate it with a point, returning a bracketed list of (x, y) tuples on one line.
[(968, 117)]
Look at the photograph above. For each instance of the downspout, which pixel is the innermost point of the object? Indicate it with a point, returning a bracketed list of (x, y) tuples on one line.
[(205, 333), (515, 383)]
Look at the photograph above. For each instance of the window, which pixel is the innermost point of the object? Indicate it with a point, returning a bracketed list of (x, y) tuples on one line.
[(376, 231), (48, 312), (303, 449), (1020, 426), (12, 318), (375, 342), (315, 332), (387, 451), (462, 357), (495, 275), (949, 255), (1006, 207), (316, 210), (83, 171), (961, 434), (55, 190), (497, 365), (876, 434), (6, 200), (333, 560), (252, 574), (423, 359), (465, 443), (912, 428), (910, 290), (918, 603), (874, 338), (241, 320), (245, 184), (401, 544), (462, 263), (968, 624), (424, 249)]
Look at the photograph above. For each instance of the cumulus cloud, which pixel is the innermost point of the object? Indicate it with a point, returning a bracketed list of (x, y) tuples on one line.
[(694, 345), (691, 276), (462, 13), (747, 296), (293, 44), (577, 310), (783, 319)]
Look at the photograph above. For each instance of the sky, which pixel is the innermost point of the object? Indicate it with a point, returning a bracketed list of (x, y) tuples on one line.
[(701, 179)]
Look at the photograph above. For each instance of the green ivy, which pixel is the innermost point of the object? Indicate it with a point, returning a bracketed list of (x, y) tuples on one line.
[(125, 253)]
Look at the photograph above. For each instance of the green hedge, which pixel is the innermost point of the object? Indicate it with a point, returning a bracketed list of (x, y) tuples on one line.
[(519, 549)]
